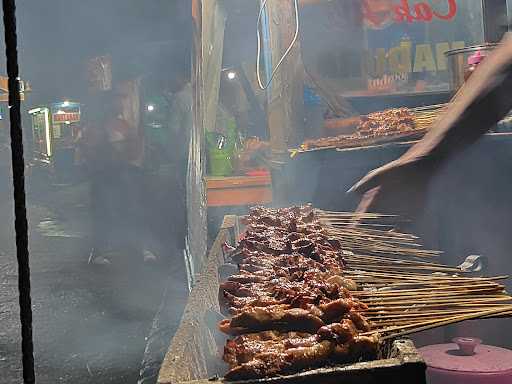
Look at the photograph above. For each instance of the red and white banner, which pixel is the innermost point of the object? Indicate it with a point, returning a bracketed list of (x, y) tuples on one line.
[(405, 11)]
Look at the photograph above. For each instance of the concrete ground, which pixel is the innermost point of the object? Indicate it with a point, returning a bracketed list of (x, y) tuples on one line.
[(90, 323)]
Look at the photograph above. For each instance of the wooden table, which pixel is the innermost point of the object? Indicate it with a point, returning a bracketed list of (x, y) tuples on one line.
[(238, 190)]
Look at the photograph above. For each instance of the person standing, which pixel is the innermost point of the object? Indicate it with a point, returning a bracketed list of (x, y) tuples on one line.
[(118, 185), (95, 152)]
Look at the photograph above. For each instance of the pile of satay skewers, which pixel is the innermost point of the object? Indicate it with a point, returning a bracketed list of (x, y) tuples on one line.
[(405, 288), (316, 288), (425, 117), (396, 124)]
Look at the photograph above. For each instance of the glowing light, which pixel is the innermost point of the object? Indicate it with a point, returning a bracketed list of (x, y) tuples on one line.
[(231, 75), (60, 112), (66, 104), (150, 108), (47, 132)]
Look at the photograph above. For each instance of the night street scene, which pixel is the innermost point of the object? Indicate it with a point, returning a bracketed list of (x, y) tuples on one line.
[(106, 234), (256, 191)]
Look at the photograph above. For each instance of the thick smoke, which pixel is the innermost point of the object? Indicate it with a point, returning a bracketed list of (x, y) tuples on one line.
[(91, 322)]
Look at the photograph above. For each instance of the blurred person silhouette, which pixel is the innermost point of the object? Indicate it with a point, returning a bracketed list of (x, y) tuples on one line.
[(114, 153)]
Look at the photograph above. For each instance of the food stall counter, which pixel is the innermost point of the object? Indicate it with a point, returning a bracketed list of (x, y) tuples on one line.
[(239, 190)]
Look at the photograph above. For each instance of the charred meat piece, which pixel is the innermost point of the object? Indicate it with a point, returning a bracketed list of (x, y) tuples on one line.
[(365, 347), (272, 318), (360, 322), (264, 365), (309, 356), (234, 305), (340, 332), (267, 354), (335, 310)]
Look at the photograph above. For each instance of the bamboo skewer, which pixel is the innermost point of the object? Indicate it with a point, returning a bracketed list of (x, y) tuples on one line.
[(376, 318), (381, 259), (405, 289), (461, 281), (405, 268), (488, 312), (465, 288), (399, 309), (322, 212), (434, 302), (415, 328)]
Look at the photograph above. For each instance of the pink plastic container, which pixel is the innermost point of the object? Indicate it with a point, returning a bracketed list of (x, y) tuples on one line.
[(467, 361)]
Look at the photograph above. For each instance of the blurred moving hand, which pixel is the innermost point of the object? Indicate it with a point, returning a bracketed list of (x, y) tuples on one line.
[(401, 187)]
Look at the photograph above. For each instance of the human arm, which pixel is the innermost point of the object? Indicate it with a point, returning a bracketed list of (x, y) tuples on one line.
[(483, 101)]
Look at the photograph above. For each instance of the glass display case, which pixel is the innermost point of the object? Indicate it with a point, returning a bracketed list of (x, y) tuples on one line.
[(41, 132), (54, 130)]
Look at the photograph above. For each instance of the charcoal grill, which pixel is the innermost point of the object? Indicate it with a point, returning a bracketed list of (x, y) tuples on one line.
[(195, 351)]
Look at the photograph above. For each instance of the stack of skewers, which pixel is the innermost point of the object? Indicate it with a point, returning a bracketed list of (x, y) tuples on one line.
[(405, 288), (425, 117), (392, 125), (315, 289)]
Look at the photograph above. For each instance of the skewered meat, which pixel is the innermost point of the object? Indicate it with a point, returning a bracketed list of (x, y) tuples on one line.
[(274, 317), (283, 317), (290, 289), (388, 123), (269, 353)]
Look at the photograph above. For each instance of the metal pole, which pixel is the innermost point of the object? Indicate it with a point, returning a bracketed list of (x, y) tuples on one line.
[(18, 170)]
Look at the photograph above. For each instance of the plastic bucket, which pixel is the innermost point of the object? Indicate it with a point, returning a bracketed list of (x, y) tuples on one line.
[(220, 163)]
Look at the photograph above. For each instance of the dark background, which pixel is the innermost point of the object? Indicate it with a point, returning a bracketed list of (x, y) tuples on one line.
[(90, 325), (56, 37)]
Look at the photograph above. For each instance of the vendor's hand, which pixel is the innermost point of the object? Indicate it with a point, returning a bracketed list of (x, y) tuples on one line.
[(395, 189)]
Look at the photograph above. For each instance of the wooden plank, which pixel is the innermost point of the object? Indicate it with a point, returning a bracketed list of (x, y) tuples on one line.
[(239, 190), (194, 345), (237, 181), (285, 110), (196, 188), (4, 84), (239, 196), (213, 25), (5, 98)]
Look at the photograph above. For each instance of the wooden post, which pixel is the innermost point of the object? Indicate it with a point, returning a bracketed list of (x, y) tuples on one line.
[(212, 32), (495, 19), (208, 37), (286, 101)]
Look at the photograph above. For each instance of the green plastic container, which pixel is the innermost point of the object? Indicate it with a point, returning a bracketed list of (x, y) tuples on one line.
[(220, 163)]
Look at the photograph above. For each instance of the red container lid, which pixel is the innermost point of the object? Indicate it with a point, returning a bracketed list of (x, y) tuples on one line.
[(468, 355), (475, 59)]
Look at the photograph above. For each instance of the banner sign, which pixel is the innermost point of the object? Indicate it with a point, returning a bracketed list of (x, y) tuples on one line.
[(405, 11)]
